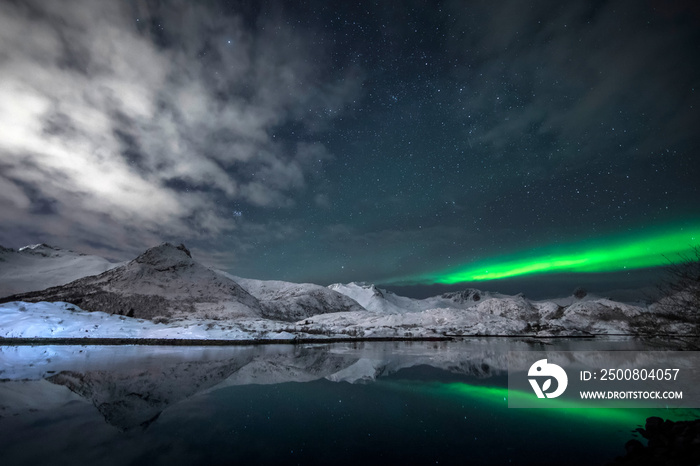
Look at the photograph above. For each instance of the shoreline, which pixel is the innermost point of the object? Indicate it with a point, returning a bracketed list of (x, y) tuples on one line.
[(118, 341), (195, 342)]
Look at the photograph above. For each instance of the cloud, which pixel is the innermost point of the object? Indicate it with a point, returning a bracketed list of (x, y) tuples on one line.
[(151, 118)]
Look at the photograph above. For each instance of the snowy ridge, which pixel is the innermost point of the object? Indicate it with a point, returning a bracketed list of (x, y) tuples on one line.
[(40, 266), (386, 302), (294, 301), (494, 316), (374, 299)]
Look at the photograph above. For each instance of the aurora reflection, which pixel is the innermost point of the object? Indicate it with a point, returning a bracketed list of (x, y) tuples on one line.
[(498, 398)]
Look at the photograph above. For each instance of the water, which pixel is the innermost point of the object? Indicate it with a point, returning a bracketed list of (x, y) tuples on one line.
[(366, 403)]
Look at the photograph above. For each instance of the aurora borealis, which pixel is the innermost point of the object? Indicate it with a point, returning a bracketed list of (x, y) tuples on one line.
[(412, 144), (614, 254)]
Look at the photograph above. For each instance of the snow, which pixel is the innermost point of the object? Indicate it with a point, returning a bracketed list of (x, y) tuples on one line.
[(31, 247), (294, 301), (424, 324), (383, 301), (494, 316), (600, 316), (376, 300), (508, 316), (64, 320)]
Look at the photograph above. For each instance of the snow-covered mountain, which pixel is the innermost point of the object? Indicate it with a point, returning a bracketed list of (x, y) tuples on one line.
[(386, 302), (493, 316), (375, 299), (166, 283), (185, 299), (474, 312), (163, 282), (295, 301), (41, 266)]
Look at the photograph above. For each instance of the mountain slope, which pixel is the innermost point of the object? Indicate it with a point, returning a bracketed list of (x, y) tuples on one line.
[(494, 316), (40, 266), (295, 301), (386, 302), (162, 282)]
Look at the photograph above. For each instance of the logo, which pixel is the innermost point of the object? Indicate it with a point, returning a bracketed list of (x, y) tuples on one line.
[(542, 369)]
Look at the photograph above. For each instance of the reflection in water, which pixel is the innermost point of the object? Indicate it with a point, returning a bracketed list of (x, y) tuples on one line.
[(136, 397), (274, 403), (498, 397)]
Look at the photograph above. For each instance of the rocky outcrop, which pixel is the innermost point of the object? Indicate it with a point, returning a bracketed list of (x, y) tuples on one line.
[(469, 295)]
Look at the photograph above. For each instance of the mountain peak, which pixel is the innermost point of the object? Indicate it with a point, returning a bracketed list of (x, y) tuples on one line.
[(35, 247), (182, 248), (43, 250), (166, 256)]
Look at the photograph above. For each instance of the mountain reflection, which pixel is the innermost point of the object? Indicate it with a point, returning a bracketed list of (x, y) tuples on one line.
[(132, 386)]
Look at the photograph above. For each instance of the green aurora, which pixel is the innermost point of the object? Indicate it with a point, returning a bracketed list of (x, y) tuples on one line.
[(632, 251), (498, 398)]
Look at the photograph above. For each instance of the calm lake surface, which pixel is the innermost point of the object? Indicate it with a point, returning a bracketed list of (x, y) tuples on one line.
[(360, 403)]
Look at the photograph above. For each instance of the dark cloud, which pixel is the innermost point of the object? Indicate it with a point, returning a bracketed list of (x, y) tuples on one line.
[(119, 104)]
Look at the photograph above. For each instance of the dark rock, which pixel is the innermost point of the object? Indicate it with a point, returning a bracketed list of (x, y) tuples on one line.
[(182, 248), (464, 296)]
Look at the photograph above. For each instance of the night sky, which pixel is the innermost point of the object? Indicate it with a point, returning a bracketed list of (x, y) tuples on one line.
[(335, 141)]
